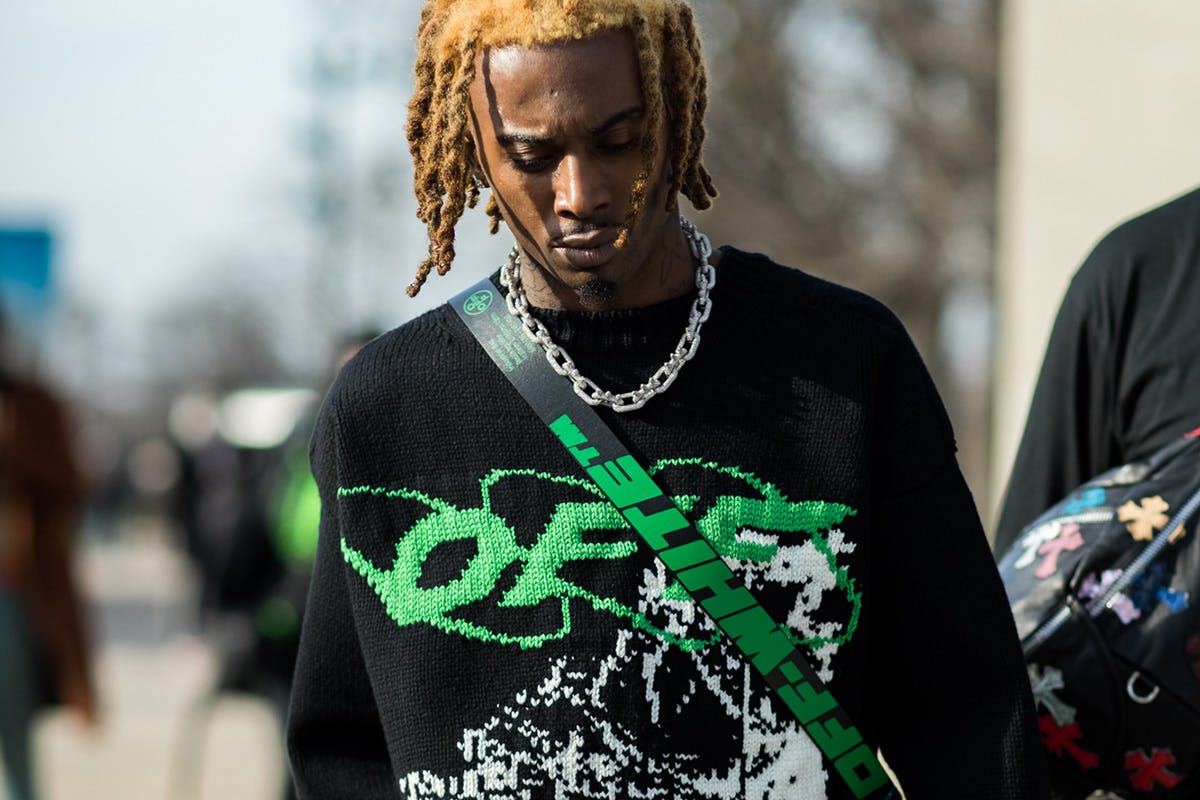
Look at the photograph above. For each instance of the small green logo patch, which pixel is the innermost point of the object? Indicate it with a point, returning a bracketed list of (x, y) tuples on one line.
[(478, 303)]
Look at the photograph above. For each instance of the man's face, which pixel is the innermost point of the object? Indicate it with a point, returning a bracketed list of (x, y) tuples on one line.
[(558, 132)]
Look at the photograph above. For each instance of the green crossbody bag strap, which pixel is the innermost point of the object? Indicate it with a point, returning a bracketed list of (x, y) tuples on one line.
[(662, 527)]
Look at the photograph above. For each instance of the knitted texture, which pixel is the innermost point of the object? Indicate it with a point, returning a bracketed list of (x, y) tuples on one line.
[(482, 624)]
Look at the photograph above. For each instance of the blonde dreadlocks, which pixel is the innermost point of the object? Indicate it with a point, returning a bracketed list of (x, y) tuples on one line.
[(453, 32)]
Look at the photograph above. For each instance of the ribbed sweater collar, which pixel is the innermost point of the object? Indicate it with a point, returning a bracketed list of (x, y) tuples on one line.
[(657, 327)]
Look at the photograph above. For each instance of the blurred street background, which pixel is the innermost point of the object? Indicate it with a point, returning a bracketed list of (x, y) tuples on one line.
[(161, 735), (204, 204)]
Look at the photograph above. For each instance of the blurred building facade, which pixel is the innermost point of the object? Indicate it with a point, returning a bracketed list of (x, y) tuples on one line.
[(1099, 107)]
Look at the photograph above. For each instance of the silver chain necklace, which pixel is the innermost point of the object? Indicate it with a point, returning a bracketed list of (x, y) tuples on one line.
[(661, 380)]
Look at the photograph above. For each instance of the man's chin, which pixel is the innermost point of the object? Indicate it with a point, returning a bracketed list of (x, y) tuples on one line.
[(597, 294)]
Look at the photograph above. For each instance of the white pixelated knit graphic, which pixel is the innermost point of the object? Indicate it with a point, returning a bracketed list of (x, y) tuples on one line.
[(560, 739)]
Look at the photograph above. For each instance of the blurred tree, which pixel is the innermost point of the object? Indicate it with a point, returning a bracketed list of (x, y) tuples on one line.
[(357, 198), (856, 140), (216, 338)]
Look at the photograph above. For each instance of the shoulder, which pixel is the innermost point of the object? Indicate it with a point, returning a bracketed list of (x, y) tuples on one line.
[(405, 356), (1161, 224), (1147, 241), (780, 295), (853, 345), (382, 385)]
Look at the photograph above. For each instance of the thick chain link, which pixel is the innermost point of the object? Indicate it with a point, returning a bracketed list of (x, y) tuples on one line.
[(563, 364)]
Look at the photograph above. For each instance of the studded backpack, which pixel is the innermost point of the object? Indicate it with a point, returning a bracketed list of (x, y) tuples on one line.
[(1103, 587)]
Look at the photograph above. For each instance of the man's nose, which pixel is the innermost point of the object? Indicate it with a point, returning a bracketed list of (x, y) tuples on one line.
[(580, 187)]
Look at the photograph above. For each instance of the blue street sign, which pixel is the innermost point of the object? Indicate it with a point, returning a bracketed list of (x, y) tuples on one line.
[(26, 289)]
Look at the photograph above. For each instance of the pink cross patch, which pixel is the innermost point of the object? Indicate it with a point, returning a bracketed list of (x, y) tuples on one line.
[(1069, 538)]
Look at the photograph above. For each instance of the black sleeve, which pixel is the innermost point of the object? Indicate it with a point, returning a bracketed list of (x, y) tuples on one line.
[(954, 709), (335, 740), (1071, 431)]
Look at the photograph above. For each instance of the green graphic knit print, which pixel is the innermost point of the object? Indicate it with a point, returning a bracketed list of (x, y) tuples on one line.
[(739, 527)]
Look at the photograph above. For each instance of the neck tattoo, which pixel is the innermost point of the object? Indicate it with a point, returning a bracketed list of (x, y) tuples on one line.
[(661, 380)]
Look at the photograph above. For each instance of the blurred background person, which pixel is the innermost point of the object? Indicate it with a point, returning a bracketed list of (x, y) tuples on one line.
[(1121, 374), (249, 510), (1119, 381), (44, 647)]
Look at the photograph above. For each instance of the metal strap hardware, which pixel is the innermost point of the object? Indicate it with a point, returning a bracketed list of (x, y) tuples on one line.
[(1131, 689)]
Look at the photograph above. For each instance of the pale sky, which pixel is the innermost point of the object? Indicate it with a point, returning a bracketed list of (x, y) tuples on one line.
[(156, 137), (145, 130), (161, 139)]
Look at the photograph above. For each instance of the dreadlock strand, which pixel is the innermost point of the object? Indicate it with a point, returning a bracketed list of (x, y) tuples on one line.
[(649, 67), (419, 279), (678, 109), (435, 184), (457, 183), (494, 216), (700, 189), (424, 82)]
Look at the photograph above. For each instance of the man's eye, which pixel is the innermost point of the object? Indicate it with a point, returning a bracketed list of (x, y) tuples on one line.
[(621, 146), (531, 165)]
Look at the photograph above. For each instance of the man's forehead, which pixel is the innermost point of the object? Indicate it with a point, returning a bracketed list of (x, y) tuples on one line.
[(599, 49), (590, 84)]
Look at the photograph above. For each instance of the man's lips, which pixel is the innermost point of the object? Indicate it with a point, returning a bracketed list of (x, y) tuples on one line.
[(586, 241), (587, 250)]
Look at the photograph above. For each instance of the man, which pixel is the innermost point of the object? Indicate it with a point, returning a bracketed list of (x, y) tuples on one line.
[(1121, 374), (483, 624)]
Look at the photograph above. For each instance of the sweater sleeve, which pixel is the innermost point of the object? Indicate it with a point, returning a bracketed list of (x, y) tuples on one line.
[(336, 744), (952, 701), (1070, 433)]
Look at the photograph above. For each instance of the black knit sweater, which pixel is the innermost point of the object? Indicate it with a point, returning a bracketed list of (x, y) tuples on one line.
[(482, 624)]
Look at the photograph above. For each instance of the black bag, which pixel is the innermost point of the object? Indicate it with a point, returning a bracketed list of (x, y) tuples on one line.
[(1105, 590)]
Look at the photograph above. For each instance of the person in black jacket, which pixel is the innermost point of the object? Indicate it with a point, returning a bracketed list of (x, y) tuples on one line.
[(1121, 374), (483, 623)]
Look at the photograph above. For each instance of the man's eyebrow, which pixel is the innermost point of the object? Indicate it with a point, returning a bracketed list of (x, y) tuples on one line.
[(517, 137), (520, 138), (617, 118)]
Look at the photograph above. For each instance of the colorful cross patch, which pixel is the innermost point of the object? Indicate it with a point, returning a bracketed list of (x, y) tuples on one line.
[(1044, 682), (1176, 601), (1033, 541), (1068, 538), (1121, 605), (1145, 517), (1151, 588), (1091, 498), (1146, 771), (1060, 739)]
